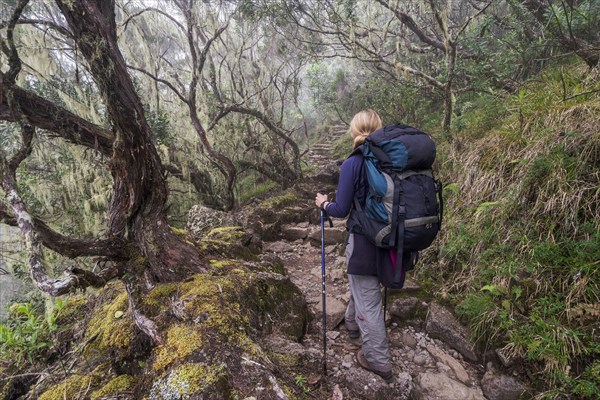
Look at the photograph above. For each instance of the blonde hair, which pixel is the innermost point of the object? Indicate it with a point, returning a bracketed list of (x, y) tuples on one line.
[(363, 124)]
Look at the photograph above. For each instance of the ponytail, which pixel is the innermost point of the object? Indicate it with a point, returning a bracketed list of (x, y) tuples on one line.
[(362, 125)]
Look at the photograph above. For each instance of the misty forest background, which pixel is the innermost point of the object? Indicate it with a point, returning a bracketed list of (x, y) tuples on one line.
[(118, 116)]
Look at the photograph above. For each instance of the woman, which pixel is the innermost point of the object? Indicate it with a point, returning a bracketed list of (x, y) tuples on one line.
[(364, 315)]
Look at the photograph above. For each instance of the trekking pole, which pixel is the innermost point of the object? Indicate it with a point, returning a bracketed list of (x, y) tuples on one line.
[(324, 216)]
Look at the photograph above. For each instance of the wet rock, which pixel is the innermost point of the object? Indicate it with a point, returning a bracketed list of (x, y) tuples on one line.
[(457, 369), (497, 386), (438, 386), (443, 325)]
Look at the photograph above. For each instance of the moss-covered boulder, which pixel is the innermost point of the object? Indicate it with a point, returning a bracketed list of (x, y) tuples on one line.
[(231, 241), (211, 327)]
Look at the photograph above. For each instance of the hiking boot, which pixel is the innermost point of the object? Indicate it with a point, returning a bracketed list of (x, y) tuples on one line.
[(354, 334), (387, 376)]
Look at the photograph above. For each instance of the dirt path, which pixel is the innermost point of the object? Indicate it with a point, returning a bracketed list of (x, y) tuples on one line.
[(417, 358)]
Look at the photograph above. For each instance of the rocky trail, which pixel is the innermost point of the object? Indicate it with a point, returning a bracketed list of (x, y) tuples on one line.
[(433, 358)]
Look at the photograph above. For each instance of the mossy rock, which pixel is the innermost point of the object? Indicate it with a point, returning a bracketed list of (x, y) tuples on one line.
[(114, 387), (74, 387), (277, 202), (74, 307), (279, 306), (232, 242), (193, 380), (110, 329), (209, 324)]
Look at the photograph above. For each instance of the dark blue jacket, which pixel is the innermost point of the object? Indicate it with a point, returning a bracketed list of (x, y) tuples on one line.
[(352, 183)]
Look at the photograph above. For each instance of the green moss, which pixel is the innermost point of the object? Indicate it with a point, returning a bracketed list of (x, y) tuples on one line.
[(279, 201), (199, 376), (285, 360), (182, 341), (112, 329), (180, 232), (209, 297), (115, 386), (227, 234), (73, 387), (159, 295), (222, 264), (72, 307), (228, 241)]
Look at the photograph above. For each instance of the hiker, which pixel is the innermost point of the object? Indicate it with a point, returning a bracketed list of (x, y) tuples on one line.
[(364, 315)]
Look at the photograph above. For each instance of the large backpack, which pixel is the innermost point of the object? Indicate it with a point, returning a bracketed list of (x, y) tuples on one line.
[(403, 208)]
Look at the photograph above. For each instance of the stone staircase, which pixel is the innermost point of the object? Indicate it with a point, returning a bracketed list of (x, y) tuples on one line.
[(320, 156)]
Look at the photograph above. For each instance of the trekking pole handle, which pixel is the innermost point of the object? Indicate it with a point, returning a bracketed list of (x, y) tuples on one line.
[(324, 213)]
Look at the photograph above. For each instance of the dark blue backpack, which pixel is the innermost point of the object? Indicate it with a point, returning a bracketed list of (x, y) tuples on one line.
[(403, 208)]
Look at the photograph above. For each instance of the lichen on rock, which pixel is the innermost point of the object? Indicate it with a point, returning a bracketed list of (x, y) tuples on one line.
[(189, 379)]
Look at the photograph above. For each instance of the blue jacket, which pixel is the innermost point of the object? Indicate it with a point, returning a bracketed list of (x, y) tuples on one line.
[(352, 183)]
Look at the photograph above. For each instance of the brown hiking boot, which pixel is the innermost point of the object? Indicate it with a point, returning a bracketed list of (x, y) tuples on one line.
[(387, 376)]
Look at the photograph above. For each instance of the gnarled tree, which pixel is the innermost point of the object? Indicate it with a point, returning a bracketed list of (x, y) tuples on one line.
[(138, 242)]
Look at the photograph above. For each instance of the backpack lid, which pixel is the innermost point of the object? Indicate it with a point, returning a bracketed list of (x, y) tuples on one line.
[(399, 147)]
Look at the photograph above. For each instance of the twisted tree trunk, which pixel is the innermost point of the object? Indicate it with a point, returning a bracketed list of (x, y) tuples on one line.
[(137, 208)]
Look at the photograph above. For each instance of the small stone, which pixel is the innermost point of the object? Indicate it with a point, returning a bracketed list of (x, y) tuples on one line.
[(346, 365), (409, 340), (419, 360), (333, 335)]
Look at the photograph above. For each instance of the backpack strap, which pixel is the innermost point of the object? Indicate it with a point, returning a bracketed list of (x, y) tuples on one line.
[(408, 173), (398, 230), (438, 190)]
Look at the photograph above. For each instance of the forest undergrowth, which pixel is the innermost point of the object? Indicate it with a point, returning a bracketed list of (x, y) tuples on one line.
[(520, 246)]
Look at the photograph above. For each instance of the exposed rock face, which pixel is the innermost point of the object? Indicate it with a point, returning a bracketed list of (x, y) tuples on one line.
[(335, 310), (443, 325), (439, 386), (371, 387), (335, 235), (458, 371)]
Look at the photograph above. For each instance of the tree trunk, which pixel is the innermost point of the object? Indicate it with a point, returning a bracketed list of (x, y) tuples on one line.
[(137, 208)]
